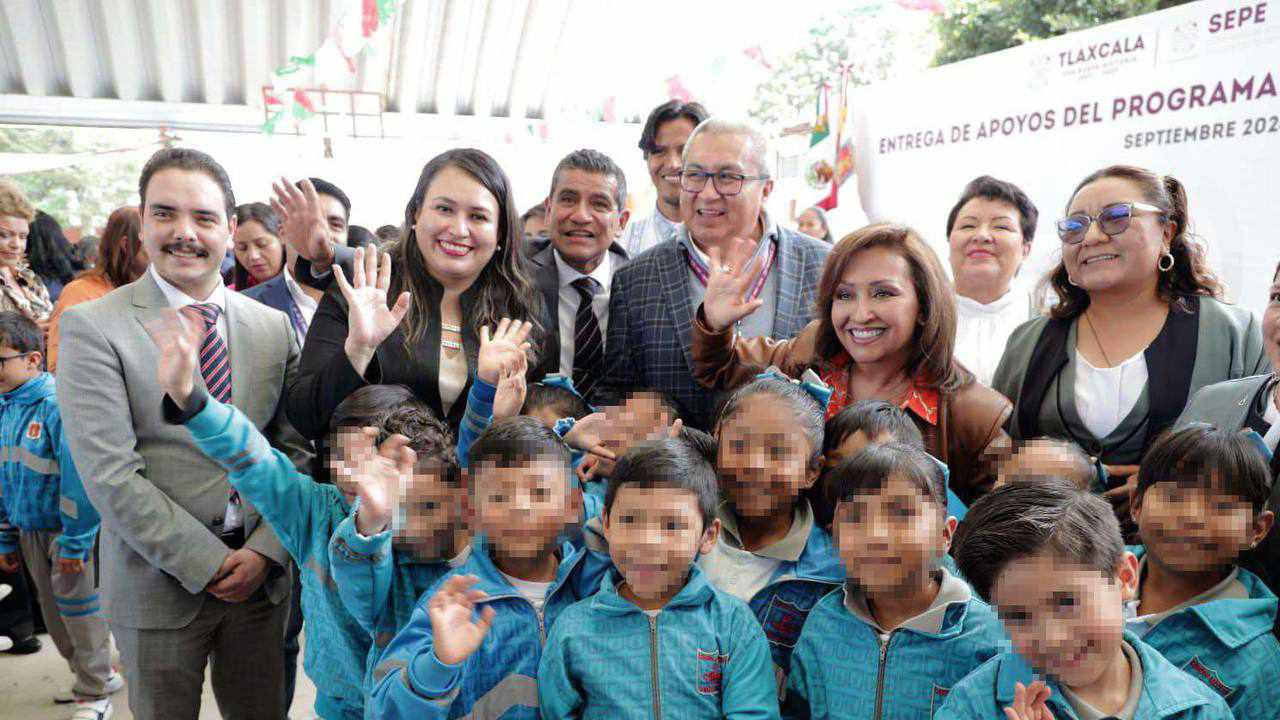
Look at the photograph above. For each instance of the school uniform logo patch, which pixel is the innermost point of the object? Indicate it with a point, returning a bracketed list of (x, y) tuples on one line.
[(783, 622), (710, 671), (936, 697), (33, 430), (1210, 677)]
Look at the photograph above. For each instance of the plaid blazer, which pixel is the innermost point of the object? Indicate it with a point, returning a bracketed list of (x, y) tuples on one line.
[(650, 339)]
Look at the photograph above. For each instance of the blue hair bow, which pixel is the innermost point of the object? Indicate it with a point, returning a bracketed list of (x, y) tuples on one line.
[(564, 382), (1258, 442), (809, 382)]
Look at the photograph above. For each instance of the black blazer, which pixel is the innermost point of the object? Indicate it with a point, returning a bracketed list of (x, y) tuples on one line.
[(325, 376), (546, 275)]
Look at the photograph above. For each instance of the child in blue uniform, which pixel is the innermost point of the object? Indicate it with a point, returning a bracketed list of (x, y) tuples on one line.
[(46, 518), (772, 553), (1049, 557), (903, 630), (1200, 502), (474, 642), (658, 640)]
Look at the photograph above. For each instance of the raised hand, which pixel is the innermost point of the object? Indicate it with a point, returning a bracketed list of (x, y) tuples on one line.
[(588, 434), (455, 631), (177, 341), (369, 320), (509, 398), (500, 347), (731, 277), (303, 226), (376, 476), (1029, 702)]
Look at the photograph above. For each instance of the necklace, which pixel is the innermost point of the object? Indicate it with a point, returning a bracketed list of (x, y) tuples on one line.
[(1097, 340), (457, 329)]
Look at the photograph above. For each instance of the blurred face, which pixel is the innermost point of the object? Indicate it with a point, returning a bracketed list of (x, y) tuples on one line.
[(641, 417), (523, 509), (584, 217), (430, 511), (713, 218), (1271, 324), (1067, 620), (1124, 262), (654, 536), (16, 367), (987, 246), (875, 309), (335, 218), (1188, 528), (457, 227), (764, 458), (185, 229), (809, 224), (13, 240), (258, 251), (890, 539), (664, 162), (1037, 459)]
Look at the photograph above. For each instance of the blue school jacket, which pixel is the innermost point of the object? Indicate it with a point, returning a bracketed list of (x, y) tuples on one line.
[(840, 669), (303, 514), (379, 586), (1228, 645), (784, 604), (1167, 692), (39, 486), (499, 680), (702, 656)]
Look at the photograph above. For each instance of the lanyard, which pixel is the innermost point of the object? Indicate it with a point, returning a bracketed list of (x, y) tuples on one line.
[(702, 272)]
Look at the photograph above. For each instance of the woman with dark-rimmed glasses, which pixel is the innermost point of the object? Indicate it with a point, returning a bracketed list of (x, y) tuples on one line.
[(1138, 327)]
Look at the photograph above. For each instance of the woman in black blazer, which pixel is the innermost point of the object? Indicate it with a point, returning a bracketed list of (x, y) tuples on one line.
[(458, 268)]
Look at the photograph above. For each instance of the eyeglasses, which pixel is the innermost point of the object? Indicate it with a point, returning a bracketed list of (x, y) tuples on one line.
[(6, 358), (725, 183), (1112, 220)]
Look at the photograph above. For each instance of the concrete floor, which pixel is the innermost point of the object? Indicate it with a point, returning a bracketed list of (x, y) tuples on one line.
[(28, 683)]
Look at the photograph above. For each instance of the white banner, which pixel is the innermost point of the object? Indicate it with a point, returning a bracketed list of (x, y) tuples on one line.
[(1190, 91)]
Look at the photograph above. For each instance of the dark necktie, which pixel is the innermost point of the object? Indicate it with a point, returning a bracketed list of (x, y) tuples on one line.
[(215, 363), (588, 345)]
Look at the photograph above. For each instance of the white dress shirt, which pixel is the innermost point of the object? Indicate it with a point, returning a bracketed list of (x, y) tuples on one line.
[(1106, 396), (983, 330), (568, 306), (646, 232), (178, 300), (306, 305)]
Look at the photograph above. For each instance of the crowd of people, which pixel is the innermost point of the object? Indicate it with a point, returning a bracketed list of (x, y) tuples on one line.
[(695, 464)]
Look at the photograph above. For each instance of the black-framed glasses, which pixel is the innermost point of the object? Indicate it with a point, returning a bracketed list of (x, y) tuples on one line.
[(6, 358), (1112, 220), (726, 183)]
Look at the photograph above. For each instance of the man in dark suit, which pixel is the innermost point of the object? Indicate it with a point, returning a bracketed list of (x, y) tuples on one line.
[(585, 215), (725, 183)]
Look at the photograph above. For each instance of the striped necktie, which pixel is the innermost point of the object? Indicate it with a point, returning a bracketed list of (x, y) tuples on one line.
[(215, 363), (588, 343)]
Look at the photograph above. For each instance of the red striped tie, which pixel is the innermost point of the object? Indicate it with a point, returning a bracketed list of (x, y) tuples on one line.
[(215, 363)]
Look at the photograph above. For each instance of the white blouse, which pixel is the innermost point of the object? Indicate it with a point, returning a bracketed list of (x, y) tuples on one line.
[(983, 330), (453, 376), (1106, 396)]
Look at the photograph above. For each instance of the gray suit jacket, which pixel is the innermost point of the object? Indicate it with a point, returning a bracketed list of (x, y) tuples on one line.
[(160, 498)]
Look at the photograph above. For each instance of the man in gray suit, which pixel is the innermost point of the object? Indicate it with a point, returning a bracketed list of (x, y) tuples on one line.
[(191, 571), (585, 214)]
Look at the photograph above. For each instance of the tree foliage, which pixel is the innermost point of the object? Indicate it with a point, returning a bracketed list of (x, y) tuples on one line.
[(970, 28), (852, 38), (80, 195)]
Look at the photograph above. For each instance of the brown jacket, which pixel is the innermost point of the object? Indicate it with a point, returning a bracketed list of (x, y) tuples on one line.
[(969, 436)]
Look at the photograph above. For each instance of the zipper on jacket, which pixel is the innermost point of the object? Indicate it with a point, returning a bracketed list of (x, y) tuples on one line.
[(653, 663), (884, 652)]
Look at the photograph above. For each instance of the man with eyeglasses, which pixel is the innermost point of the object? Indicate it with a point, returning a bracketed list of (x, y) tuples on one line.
[(724, 183)]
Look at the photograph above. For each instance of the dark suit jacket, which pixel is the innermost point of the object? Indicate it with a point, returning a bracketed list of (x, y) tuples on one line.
[(650, 342), (546, 275), (273, 293)]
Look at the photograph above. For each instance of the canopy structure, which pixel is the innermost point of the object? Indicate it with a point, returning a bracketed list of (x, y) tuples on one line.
[(202, 64)]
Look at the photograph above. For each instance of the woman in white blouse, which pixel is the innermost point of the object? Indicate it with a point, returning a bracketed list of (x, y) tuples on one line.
[(1138, 327), (989, 231)]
